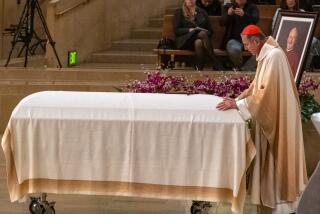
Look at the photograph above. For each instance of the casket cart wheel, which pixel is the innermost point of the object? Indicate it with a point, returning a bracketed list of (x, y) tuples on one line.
[(35, 207), (200, 207), (41, 206)]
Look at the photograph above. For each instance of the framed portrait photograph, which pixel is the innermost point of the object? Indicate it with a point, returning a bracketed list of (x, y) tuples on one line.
[(294, 32)]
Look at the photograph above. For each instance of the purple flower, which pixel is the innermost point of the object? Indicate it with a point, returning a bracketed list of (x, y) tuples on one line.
[(158, 82), (307, 86)]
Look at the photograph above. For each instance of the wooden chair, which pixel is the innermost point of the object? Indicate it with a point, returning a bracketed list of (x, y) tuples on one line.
[(218, 32)]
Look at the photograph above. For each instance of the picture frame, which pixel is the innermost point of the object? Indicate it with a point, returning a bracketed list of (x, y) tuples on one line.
[(294, 31)]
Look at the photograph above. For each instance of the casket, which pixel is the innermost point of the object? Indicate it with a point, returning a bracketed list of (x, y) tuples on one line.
[(168, 146)]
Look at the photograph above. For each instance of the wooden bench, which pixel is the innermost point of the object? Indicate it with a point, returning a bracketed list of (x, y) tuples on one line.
[(218, 32), (267, 10), (264, 10)]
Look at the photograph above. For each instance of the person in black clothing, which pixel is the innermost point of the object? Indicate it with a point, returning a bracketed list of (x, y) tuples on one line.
[(306, 4), (262, 1), (236, 16), (212, 7), (193, 32)]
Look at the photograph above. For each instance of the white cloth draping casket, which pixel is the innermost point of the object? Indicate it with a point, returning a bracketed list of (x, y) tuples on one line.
[(316, 121), (150, 145)]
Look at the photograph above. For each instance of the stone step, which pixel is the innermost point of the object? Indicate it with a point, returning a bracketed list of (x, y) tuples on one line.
[(21, 91), (127, 57), (147, 33), (55, 75), (156, 22), (33, 61), (134, 45), (105, 66)]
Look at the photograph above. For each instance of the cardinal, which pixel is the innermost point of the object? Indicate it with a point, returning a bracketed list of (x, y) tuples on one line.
[(271, 103)]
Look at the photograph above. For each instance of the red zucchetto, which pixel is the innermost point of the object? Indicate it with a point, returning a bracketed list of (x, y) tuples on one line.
[(251, 30)]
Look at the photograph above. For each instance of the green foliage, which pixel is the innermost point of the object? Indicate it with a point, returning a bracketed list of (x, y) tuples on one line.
[(309, 106)]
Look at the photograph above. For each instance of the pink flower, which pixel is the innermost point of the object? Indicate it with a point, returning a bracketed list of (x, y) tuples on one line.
[(307, 86), (157, 82)]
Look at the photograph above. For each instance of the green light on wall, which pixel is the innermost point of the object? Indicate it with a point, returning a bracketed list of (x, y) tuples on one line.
[(72, 58)]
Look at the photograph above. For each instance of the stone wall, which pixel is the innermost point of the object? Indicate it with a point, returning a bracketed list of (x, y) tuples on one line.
[(81, 29), (10, 13), (90, 27), (93, 26)]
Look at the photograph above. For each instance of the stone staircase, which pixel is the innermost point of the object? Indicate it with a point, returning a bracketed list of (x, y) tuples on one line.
[(136, 51)]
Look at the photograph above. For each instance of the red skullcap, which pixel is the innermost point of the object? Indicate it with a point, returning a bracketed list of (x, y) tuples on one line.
[(251, 30)]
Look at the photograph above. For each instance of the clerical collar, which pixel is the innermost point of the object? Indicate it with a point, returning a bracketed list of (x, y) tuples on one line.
[(268, 45)]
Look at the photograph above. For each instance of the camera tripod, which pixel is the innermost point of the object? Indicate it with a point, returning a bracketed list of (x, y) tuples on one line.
[(24, 32)]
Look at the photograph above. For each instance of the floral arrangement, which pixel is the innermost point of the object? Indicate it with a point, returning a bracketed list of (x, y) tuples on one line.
[(307, 100), (159, 82), (162, 82)]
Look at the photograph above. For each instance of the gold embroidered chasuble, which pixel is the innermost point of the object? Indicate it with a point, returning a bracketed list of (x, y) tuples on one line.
[(279, 170)]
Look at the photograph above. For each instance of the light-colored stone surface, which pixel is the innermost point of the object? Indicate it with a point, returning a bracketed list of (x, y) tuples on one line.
[(133, 57), (103, 22), (9, 14), (88, 28)]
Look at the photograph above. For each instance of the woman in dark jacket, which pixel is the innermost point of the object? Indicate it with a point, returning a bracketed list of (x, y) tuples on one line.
[(236, 16), (193, 32), (212, 7)]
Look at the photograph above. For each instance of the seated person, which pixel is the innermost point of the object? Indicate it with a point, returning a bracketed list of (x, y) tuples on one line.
[(193, 32), (236, 16), (212, 7), (293, 5), (262, 2), (306, 4)]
